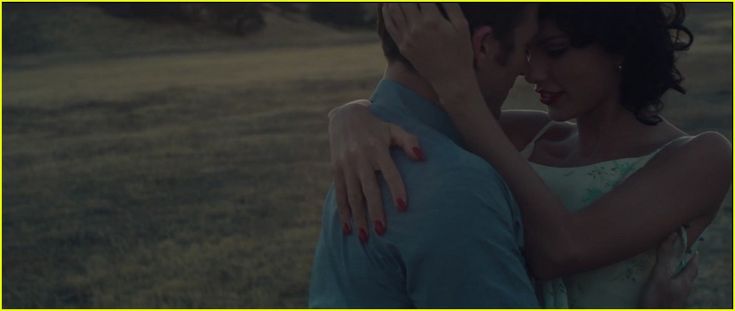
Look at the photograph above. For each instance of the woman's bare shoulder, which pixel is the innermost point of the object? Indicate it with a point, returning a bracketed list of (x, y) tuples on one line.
[(710, 145), (705, 158)]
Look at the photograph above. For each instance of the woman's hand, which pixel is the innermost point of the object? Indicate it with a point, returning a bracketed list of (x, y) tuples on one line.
[(666, 286), (440, 49), (360, 146)]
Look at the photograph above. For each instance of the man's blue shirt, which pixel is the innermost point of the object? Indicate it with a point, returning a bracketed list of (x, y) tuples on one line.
[(459, 243)]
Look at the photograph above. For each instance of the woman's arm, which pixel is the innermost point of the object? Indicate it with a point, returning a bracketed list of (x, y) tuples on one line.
[(358, 139), (521, 126), (681, 184), (359, 146)]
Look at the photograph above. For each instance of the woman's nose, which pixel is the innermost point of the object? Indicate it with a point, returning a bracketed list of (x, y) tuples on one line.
[(524, 68), (535, 70)]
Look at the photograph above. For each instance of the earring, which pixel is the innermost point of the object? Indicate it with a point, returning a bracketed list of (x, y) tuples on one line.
[(620, 67)]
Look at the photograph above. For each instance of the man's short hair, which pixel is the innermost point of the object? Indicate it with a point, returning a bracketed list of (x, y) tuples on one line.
[(502, 17)]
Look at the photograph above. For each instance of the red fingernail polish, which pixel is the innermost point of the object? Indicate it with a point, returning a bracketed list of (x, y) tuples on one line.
[(402, 206), (346, 229), (363, 235), (379, 227), (419, 153)]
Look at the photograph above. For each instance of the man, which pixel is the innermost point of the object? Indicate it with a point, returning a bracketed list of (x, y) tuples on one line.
[(461, 244)]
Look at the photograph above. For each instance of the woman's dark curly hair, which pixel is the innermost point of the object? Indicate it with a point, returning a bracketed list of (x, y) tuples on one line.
[(646, 35)]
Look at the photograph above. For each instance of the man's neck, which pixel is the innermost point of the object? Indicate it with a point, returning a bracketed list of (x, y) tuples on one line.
[(400, 73), (406, 93)]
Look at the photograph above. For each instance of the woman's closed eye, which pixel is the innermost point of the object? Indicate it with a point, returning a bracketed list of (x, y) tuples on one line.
[(556, 52), (556, 48)]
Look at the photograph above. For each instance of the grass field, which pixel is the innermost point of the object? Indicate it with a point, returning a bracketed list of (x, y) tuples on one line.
[(196, 179)]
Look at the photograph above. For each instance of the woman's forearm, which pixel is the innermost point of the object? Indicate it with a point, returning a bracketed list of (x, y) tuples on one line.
[(550, 246), (355, 104)]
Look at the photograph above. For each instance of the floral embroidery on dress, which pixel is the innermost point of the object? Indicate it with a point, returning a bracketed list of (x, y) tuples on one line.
[(635, 269)]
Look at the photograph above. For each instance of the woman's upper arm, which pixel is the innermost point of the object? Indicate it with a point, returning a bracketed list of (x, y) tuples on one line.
[(522, 125), (683, 183)]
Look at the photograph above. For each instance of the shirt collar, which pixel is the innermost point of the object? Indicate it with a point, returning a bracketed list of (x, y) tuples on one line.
[(392, 95)]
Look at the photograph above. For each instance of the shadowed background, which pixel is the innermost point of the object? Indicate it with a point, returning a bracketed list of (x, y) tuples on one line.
[(175, 155)]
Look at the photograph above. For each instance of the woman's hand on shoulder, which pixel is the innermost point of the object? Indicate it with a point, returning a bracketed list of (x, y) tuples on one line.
[(359, 145)]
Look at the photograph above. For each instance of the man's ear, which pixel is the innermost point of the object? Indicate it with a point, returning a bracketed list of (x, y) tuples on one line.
[(484, 44)]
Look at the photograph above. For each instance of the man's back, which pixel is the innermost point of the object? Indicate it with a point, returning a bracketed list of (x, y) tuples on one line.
[(458, 245)]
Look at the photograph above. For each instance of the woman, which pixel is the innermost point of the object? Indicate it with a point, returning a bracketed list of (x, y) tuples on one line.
[(597, 195)]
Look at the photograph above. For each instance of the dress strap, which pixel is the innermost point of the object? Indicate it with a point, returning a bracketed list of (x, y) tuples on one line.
[(687, 137), (643, 160), (528, 150), (671, 142)]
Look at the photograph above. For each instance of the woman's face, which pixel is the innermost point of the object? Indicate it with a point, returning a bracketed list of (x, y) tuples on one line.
[(571, 82)]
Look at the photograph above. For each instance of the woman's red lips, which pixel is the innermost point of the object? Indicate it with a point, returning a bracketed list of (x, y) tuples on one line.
[(549, 98)]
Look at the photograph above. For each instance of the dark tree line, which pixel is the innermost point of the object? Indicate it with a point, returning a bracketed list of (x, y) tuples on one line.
[(343, 15), (244, 18)]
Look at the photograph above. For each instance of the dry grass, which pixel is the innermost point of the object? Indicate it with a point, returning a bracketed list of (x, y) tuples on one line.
[(196, 180), (184, 190)]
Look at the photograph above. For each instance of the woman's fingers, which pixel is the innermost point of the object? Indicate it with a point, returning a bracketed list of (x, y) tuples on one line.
[(393, 179), (430, 10), (409, 143), (342, 203), (682, 284), (374, 199), (395, 21), (665, 288), (411, 11), (667, 258), (690, 272), (357, 204), (455, 15)]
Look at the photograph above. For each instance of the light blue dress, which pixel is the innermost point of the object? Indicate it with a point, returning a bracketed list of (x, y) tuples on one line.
[(615, 286)]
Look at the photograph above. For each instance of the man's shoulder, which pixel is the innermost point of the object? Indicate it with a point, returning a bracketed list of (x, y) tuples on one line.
[(453, 181), (454, 184), (449, 167), (443, 155)]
